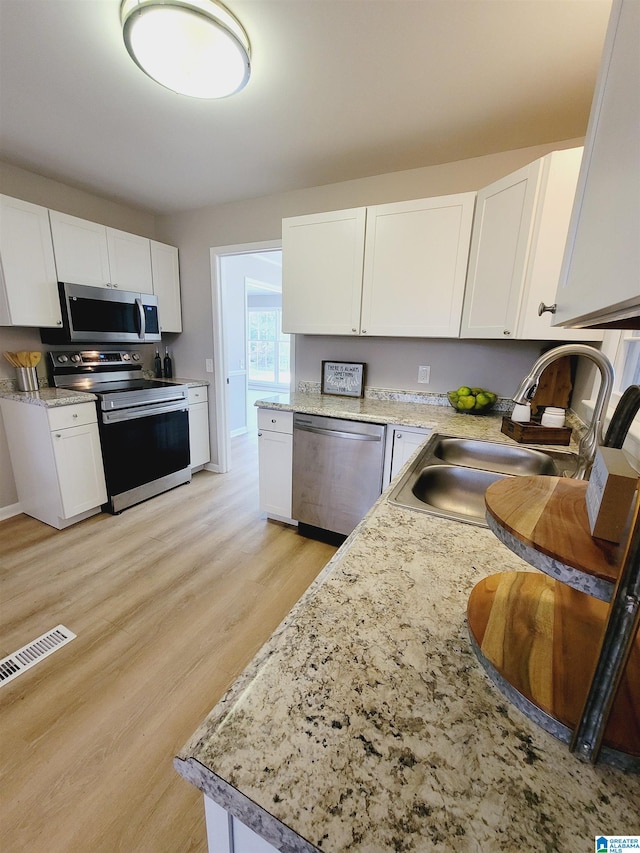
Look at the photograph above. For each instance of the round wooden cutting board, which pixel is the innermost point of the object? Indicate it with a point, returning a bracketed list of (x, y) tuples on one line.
[(548, 516), (540, 639)]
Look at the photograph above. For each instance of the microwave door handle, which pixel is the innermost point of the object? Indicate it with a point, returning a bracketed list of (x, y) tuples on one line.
[(141, 323)]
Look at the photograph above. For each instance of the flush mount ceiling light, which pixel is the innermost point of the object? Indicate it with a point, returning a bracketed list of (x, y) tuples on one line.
[(193, 47)]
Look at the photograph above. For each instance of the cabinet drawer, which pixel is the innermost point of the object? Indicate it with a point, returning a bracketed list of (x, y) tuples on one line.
[(71, 416), (275, 420), (198, 395)]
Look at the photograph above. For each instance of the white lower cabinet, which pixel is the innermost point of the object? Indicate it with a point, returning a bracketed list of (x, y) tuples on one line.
[(275, 462), (199, 426), (401, 443), (226, 834), (56, 459)]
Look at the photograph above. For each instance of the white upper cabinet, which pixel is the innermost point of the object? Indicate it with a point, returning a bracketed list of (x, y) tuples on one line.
[(80, 248), (166, 285), (389, 270), (129, 261), (90, 253), (28, 281), (322, 258), (415, 263), (518, 238), (600, 280)]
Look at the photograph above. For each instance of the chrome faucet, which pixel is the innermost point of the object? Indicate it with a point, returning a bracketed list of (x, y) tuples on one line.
[(589, 442)]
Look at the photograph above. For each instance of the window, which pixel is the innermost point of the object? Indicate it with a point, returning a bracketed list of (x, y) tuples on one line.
[(269, 348)]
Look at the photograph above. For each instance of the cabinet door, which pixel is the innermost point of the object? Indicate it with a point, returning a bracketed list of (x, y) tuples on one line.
[(601, 269), (80, 249), (79, 466), (129, 261), (557, 191), (415, 265), (275, 462), (405, 444), (199, 434), (322, 272), (166, 285), (497, 262), (29, 296)]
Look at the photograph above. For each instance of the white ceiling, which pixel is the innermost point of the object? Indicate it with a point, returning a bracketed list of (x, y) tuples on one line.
[(340, 89)]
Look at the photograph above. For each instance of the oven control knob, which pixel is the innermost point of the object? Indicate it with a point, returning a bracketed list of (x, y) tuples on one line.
[(135, 356), (75, 358), (125, 356), (63, 359)]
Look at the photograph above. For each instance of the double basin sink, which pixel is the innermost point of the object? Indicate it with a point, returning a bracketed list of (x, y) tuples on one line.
[(450, 475)]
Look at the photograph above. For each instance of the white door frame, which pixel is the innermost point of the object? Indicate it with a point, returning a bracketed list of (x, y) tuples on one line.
[(219, 357)]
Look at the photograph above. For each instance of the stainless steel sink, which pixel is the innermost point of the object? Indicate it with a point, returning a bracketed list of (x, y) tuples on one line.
[(450, 475), (492, 456)]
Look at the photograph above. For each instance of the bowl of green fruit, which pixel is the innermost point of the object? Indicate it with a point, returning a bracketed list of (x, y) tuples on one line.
[(472, 401)]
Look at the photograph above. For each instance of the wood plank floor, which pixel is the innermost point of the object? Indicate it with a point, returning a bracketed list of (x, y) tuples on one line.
[(170, 600)]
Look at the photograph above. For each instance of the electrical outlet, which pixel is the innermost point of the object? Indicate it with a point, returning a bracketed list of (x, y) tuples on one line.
[(424, 374), (208, 365)]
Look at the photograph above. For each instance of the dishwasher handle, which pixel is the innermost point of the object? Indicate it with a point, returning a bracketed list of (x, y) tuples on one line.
[(356, 436)]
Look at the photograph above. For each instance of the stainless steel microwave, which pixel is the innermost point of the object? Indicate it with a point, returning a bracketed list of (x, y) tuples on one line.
[(104, 315)]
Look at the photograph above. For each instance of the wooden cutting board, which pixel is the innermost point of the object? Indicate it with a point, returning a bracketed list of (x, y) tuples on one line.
[(549, 515), (555, 385), (544, 638)]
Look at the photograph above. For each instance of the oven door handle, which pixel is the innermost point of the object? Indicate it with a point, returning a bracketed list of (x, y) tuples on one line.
[(148, 411), (141, 320)]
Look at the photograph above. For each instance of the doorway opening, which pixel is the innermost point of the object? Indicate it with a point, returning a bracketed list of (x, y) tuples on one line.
[(253, 359)]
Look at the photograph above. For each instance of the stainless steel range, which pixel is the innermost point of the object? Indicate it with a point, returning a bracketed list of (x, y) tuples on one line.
[(144, 423)]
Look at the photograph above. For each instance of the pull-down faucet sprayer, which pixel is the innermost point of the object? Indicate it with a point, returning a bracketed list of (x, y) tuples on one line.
[(593, 436)]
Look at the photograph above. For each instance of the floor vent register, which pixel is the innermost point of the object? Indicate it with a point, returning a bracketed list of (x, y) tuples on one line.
[(26, 657)]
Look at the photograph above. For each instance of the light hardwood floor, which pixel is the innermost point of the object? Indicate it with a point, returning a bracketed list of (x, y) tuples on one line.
[(170, 600)]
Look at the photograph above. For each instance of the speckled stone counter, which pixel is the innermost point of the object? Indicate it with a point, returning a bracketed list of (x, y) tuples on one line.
[(52, 397), (49, 397), (366, 724)]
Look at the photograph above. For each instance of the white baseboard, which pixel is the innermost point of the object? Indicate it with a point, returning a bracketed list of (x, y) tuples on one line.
[(9, 511)]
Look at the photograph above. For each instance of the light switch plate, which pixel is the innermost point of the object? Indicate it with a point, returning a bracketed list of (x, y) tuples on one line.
[(208, 365)]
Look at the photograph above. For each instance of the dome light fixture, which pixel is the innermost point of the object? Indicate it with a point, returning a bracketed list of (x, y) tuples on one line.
[(193, 47)]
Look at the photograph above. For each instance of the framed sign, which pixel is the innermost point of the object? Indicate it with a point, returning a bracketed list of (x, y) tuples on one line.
[(345, 378)]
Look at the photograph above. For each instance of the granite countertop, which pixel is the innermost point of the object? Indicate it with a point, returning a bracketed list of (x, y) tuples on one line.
[(366, 723), (52, 397), (49, 397), (401, 408)]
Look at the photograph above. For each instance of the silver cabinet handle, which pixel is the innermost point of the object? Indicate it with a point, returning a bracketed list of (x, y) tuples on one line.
[(550, 308), (506, 332)]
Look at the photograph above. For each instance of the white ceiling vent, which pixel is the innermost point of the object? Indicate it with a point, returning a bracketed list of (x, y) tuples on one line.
[(26, 657)]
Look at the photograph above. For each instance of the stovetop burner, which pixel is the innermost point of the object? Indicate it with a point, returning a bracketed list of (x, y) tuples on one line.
[(115, 377), (97, 386)]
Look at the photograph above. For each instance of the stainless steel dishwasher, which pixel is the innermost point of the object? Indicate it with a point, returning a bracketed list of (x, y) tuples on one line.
[(337, 470)]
